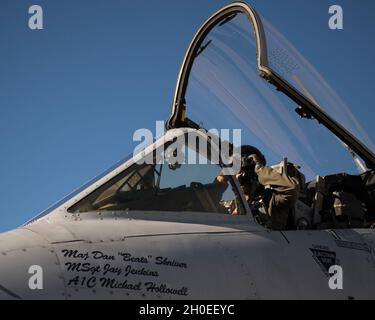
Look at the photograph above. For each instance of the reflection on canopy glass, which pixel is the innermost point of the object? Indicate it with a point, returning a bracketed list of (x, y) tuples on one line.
[(226, 92), (294, 68)]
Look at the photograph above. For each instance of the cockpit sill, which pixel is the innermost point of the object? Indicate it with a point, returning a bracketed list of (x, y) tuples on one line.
[(138, 223)]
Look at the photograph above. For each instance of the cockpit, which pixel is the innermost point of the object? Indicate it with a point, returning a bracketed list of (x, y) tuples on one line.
[(195, 183)]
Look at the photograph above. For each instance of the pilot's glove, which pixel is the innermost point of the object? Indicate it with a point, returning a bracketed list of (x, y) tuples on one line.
[(220, 179)]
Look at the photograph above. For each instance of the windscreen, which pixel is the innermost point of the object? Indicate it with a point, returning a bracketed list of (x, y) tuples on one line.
[(226, 92)]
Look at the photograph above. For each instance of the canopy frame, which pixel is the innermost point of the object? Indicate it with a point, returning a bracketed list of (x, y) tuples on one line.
[(178, 117)]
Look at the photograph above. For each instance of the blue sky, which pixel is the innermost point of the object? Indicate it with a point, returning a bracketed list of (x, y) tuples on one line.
[(72, 95)]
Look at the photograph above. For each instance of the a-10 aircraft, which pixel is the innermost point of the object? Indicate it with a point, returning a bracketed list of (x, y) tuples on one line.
[(155, 230)]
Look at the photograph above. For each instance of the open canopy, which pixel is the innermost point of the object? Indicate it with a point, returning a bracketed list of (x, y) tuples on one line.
[(222, 85)]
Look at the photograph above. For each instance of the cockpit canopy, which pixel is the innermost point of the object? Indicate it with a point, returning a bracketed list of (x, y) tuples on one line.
[(222, 85)]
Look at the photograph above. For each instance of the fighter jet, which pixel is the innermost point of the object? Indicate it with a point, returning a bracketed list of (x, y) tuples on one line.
[(162, 230)]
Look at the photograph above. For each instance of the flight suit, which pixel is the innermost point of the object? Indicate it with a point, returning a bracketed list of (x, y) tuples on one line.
[(283, 196)]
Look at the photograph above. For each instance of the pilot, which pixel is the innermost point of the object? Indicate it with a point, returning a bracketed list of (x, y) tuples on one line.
[(270, 193)]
